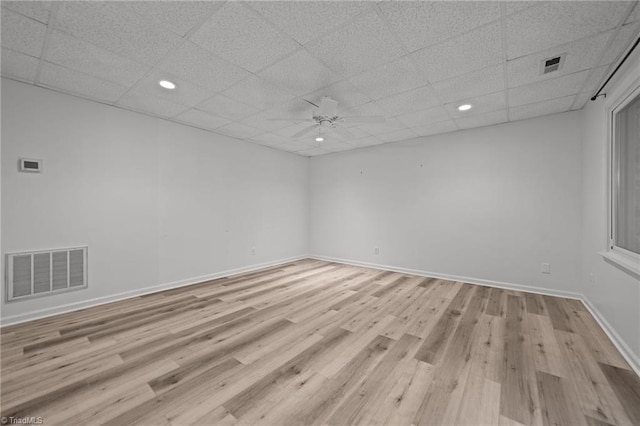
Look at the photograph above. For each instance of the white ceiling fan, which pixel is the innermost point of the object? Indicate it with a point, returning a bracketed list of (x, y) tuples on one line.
[(325, 119)]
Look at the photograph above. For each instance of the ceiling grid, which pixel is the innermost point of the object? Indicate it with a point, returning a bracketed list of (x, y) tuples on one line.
[(238, 65)]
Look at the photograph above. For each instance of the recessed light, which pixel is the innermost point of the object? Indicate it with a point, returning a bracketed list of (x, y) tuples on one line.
[(167, 84), (464, 107), (319, 139)]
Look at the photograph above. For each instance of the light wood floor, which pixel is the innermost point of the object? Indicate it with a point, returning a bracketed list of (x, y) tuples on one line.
[(314, 342)]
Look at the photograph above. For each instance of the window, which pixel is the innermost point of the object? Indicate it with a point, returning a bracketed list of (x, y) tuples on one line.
[(624, 238)]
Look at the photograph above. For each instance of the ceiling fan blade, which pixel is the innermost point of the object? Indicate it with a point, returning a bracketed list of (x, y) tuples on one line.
[(327, 107), (304, 131), (298, 120), (343, 131), (364, 119), (312, 103)]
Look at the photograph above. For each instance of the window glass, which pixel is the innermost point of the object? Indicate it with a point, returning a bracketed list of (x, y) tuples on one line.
[(626, 177)]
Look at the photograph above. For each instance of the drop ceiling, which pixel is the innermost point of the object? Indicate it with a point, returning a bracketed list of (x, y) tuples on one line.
[(237, 65)]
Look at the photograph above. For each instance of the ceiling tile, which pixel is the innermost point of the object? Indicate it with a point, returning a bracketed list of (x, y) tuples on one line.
[(258, 92), (263, 120), (435, 128), (240, 36), (389, 79), (22, 34), (306, 20), (201, 119), (487, 80), (299, 74), (413, 100), (83, 85), (296, 108), (387, 126), (553, 23), (269, 139), (185, 93), (398, 135), (512, 7), (472, 51), (420, 118), (358, 133), (38, 10), (177, 16), (363, 142), (197, 65), (480, 120), (362, 44), (580, 55), (596, 79), (113, 27), (337, 147), (421, 23), (581, 99), (238, 130), (541, 108), (548, 89), (370, 108), (18, 66), (347, 95), (620, 43), (78, 55), (481, 104), (151, 105), (228, 108), (291, 146), (292, 129), (635, 14)]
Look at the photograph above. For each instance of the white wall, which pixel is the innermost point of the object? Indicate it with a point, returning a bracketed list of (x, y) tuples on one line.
[(614, 292), (159, 203), (155, 201), (489, 204)]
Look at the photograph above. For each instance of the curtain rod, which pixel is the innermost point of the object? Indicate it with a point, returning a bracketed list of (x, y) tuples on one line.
[(593, 98)]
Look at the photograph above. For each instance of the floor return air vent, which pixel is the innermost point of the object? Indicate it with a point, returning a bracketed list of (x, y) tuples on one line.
[(39, 273)]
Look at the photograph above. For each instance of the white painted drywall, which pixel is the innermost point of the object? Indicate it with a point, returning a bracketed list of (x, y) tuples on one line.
[(614, 292), (155, 201), (489, 204)]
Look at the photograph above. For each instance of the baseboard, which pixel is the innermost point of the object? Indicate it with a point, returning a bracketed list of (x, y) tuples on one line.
[(469, 280), (628, 354), (615, 338), (70, 307)]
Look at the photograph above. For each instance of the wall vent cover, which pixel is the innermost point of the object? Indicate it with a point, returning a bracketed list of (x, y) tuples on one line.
[(552, 64), (30, 165), (39, 273)]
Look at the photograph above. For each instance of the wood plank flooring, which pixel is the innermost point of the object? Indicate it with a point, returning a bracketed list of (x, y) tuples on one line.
[(314, 342)]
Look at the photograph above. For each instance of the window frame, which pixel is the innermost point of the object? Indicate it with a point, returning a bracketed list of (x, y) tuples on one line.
[(622, 257)]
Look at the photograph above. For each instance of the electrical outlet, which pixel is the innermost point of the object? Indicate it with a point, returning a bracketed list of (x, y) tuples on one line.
[(253, 251), (376, 250), (545, 268)]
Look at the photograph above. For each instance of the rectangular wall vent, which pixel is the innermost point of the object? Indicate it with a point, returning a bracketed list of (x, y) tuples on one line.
[(37, 273), (552, 64), (30, 165)]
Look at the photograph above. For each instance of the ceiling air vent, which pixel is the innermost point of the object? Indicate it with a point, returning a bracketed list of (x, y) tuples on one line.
[(552, 64)]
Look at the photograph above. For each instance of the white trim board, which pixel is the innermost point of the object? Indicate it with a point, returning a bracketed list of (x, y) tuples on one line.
[(468, 280), (70, 307), (618, 342)]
